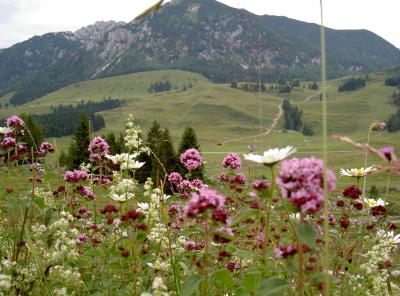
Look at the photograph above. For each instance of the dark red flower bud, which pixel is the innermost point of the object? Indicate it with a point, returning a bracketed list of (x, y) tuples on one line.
[(353, 192)]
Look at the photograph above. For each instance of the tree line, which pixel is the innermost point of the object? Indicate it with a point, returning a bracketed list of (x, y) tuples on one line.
[(61, 121), (293, 119), (282, 86), (352, 84), (392, 81), (158, 139)]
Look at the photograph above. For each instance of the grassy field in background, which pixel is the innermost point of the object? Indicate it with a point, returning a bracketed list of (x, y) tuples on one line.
[(219, 113)]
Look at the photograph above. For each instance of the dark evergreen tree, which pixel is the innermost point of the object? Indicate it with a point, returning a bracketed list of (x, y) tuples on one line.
[(167, 152), (392, 81), (393, 123), (34, 136), (189, 140), (78, 150), (313, 86), (112, 143), (121, 144), (352, 84), (307, 130), (150, 168), (292, 115)]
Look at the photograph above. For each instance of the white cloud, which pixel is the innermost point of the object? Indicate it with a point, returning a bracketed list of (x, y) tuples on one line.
[(21, 19)]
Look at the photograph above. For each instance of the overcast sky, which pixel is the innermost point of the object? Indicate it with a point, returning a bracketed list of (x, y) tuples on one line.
[(22, 19)]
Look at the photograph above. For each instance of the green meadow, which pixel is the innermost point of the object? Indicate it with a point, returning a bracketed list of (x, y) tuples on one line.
[(227, 119)]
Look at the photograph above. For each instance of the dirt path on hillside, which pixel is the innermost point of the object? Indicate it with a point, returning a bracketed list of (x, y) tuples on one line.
[(274, 122), (306, 100), (267, 132)]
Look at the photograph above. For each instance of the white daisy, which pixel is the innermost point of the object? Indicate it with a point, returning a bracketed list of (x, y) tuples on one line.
[(271, 156), (143, 205), (389, 235), (373, 203), (358, 172), (5, 130)]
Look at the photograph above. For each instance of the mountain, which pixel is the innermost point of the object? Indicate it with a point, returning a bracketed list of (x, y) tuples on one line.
[(203, 36)]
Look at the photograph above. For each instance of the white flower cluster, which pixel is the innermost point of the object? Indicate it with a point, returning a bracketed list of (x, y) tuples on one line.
[(126, 161), (123, 190), (66, 275), (132, 138), (162, 265), (371, 279), (86, 167), (47, 197), (55, 247), (63, 237), (60, 292), (158, 288), (5, 283)]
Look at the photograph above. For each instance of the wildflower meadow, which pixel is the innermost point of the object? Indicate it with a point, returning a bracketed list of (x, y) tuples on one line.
[(270, 224)]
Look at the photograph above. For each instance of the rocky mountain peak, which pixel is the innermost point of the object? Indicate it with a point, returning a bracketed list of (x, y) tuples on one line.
[(97, 31)]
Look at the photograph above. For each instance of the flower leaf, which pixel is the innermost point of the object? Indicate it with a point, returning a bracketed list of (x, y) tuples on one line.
[(307, 234)]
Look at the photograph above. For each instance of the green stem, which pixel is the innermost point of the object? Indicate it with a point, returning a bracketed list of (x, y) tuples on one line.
[(388, 181), (205, 264), (325, 256), (134, 267), (366, 161), (300, 283), (268, 215)]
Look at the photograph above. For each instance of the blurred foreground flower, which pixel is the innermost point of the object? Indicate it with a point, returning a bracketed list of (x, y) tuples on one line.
[(301, 180), (5, 130), (271, 156)]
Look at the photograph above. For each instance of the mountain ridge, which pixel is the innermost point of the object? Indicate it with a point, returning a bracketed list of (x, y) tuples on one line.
[(207, 37)]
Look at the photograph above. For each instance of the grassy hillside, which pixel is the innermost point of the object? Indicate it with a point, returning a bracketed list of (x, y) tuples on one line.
[(221, 114)]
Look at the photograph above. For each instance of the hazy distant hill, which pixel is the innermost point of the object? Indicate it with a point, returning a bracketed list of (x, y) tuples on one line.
[(204, 36)]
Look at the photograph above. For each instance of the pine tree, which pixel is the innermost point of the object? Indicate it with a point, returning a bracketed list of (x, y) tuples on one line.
[(121, 144), (149, 169), (78, 150), (167, 153), (34, 136), (189, 140), (112, 143)]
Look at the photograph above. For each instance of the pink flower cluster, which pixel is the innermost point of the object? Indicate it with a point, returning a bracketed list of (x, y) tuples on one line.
[(231, 161), (301, 180), (98, 149), (75, 176), (186, 187), (175, 178), (14, 121), (239, 178), (284, 252), (8, 142), (44, 148), (387, 152), (86, 192), (191, 245), (197, 184), (191, 159), (260, 185), (202, 201)]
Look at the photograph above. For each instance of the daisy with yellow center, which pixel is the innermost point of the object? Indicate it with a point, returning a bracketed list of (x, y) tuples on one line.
[(358, 172), (374, 203), (271, 156)]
